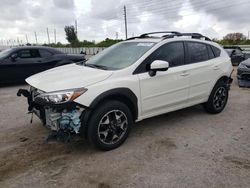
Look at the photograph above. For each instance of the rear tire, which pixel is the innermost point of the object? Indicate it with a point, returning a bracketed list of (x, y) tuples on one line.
[(217, 99), (109, 125)]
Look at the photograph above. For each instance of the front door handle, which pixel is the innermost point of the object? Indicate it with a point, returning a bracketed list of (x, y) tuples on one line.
[(184, 73)]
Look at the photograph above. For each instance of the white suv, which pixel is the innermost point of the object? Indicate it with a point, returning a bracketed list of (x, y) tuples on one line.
[(133, 80)]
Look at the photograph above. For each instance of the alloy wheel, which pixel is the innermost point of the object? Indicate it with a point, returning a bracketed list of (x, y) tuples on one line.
[(112, 127)]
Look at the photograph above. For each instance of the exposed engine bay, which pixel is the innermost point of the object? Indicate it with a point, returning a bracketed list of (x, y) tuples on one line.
[(61, 119)]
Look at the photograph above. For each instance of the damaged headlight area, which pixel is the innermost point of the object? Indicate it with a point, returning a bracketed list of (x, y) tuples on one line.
[(57, 110), (60, 110), (61, 97)]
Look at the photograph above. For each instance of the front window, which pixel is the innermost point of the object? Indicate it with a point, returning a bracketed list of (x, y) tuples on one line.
[(119, 56)]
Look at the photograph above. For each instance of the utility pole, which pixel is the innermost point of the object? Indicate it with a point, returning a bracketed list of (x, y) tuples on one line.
[(17, 41), (27, 40), (35, 37), (76, 27), (48, 35), (116, 35), (248, 35), (125, 21), (55, 35)]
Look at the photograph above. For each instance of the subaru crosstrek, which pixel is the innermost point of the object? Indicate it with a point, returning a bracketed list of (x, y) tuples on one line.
[(139, 78)]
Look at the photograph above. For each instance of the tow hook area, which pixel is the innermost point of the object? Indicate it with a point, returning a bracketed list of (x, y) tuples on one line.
[(23, 92)]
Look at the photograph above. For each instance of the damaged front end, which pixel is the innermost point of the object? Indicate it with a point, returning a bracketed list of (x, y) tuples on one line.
[(57, 110)]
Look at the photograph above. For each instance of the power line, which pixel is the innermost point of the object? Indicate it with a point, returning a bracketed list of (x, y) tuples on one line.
[(174, 15), (168, 10)]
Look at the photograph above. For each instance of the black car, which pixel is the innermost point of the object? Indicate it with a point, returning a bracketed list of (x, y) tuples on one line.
[(243, 73), (236, 55), (18, 63)]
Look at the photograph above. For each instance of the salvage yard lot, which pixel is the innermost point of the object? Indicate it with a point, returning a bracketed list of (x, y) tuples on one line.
[(187, 148)]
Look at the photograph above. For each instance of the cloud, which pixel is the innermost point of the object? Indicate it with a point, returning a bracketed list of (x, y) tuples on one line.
[(98, 20)]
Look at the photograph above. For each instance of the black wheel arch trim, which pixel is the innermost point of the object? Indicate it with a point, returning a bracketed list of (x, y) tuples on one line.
[(122, 94)]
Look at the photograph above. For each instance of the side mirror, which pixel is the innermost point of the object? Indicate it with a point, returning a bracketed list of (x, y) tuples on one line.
[(13, 57), (158, 65)]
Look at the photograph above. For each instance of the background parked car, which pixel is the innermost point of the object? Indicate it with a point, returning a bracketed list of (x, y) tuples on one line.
[(235, 54), (243, 73), (18, 63)]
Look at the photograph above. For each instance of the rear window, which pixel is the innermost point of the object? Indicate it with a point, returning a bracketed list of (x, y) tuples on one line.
[(216, 51), (45, 53)]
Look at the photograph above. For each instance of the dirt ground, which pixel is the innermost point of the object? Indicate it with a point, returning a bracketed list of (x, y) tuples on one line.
[(187, 148)]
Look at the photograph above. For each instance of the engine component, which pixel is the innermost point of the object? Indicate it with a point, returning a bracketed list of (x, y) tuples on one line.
[(68, 121)]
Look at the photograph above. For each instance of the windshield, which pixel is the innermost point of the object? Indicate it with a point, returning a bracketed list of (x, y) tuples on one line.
[(119, 56), (5, 53)]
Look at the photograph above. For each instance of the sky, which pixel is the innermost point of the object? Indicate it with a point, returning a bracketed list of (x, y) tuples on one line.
[(100, 19)]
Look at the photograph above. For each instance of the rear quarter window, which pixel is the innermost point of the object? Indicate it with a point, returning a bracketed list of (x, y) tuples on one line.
[(216, 51)]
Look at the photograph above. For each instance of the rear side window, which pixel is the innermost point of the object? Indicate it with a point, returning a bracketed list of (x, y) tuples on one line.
[(45, 53), (216, 51), (197, 52)]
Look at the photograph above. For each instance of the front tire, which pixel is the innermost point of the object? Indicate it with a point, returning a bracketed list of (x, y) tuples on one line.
[(109, 125), (217, 99)]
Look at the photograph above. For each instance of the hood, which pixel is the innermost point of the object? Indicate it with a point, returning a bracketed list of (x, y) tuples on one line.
[(246, 62), (67, 77)]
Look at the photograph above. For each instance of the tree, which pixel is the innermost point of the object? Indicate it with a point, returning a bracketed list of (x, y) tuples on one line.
[(107, 42), (235, 37), (71, 35)]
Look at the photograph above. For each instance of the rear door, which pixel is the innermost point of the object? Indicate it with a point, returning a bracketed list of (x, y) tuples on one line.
[(203, 67)]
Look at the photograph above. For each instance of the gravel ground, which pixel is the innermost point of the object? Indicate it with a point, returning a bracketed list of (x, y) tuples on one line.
[(187, 148)]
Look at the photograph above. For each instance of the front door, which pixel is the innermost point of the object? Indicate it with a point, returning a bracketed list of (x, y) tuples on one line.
[(167, 90)]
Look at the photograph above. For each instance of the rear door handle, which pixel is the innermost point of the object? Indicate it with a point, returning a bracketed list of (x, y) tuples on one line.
[(184, 73), (216, 67)]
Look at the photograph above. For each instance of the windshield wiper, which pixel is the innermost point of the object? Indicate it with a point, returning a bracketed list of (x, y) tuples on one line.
[(97, 66)]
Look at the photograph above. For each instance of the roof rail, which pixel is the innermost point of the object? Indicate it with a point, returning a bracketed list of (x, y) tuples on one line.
[(172, 34), (196, 36), (159, 32), (146, 35)]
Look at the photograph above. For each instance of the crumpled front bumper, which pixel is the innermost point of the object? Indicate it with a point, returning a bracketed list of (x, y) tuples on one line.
[(57, 117)]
